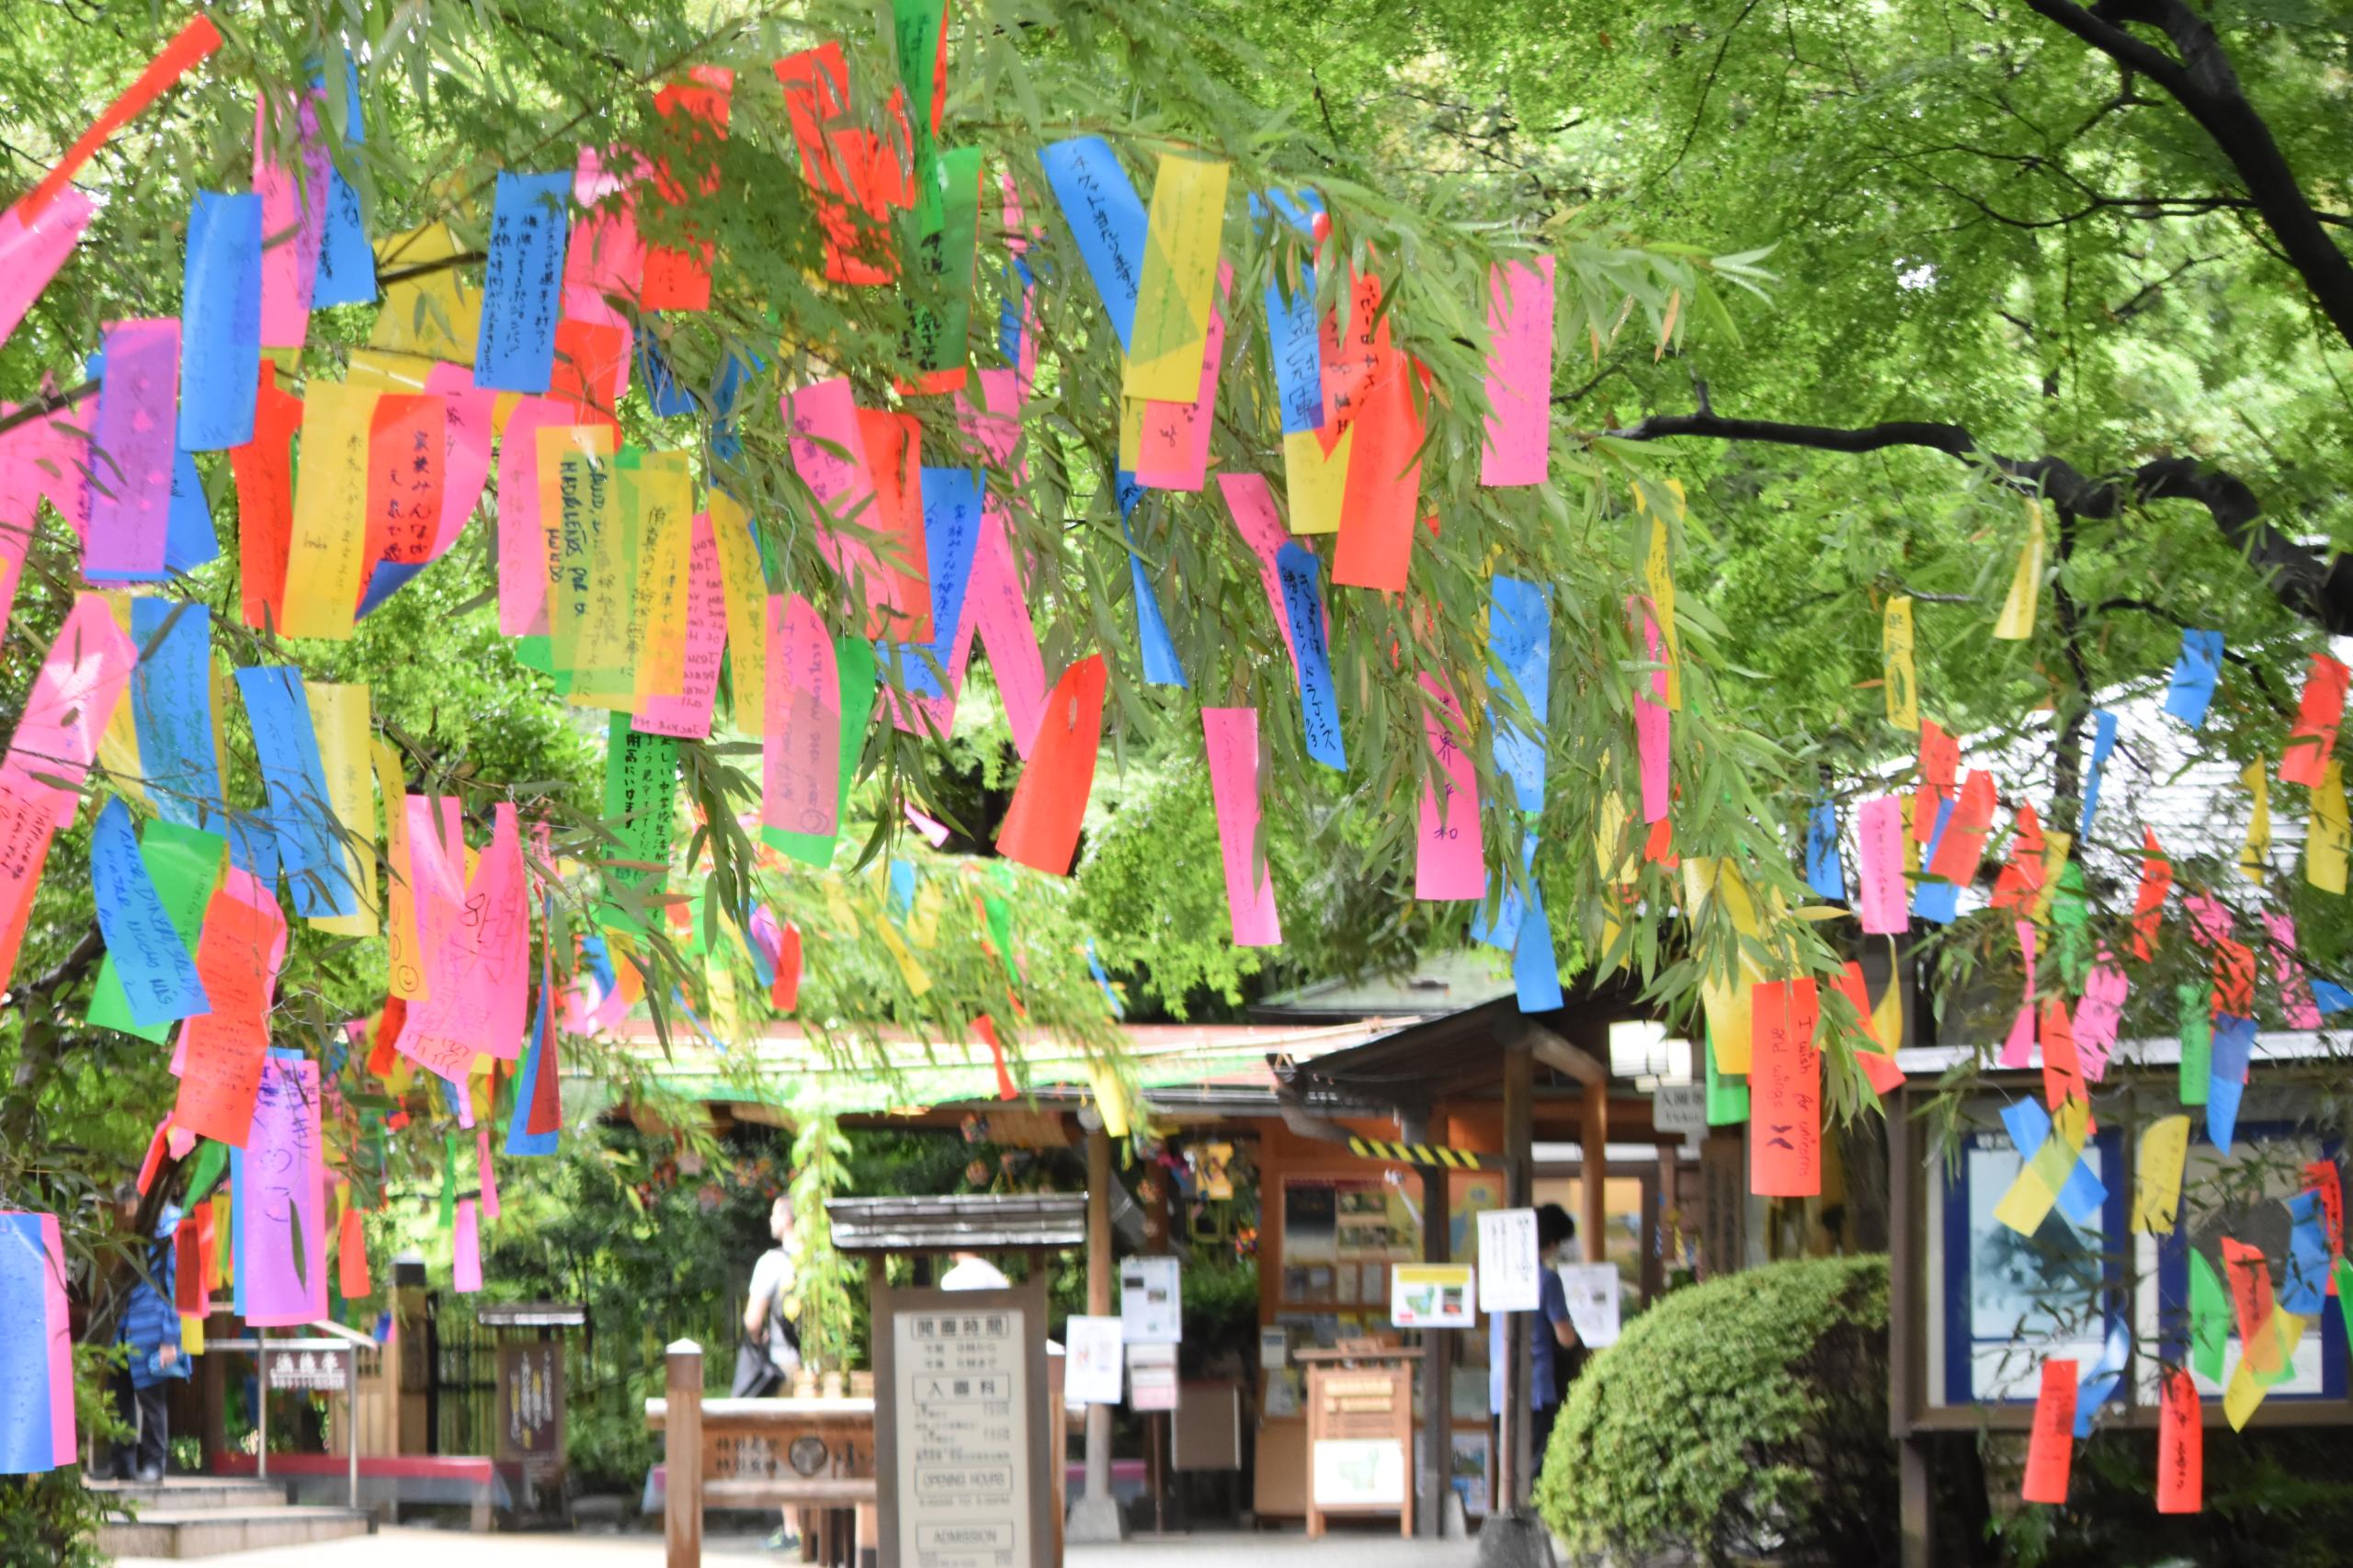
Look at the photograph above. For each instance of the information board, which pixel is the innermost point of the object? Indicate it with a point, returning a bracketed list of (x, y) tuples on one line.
[(966, 1481)]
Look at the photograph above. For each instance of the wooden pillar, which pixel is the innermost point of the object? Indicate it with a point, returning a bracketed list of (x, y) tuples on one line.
[(1438, 1348), (1593, 1127), (1513, 1444), (1917, 1540), (1099, 1303), (682, 1457)]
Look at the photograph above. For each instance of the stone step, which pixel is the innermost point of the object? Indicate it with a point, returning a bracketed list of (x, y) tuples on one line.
[(177, 1532), (194, 1491)]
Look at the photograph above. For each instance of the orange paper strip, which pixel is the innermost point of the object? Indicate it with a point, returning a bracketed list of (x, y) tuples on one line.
[(192, 43), (1041, 826), (2050, 1448), (1785, 1088), (2181, 1445)]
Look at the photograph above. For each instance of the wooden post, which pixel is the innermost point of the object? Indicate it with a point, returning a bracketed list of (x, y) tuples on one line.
[(682, 1455), (1593, 1127), (1437, 1351), (1519, 1141), (1095, 1516)]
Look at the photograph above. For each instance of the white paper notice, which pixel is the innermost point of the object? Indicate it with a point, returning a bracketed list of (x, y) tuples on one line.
[(962, 1400), (1152, 1305), (1507, 1267), (1151, 1377), (1091, 1371), (1592, 1301)]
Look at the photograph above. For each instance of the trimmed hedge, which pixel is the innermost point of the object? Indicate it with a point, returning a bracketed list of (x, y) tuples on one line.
[(1742, 1417)]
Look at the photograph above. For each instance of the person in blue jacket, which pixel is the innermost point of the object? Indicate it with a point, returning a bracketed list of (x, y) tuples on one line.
[(151, 1327), (1554, 1352)]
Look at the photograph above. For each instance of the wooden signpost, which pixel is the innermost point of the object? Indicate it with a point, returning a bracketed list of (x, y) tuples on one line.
[(1359, 1433)]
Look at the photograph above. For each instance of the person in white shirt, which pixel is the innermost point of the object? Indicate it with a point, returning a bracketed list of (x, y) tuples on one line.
[(769, 1353), (970, 1271)]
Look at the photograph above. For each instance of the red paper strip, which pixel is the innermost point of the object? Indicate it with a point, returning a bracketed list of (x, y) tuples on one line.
[(2322, 1176), (1384, 487), (2181, 1445), (237, 956), (2050, 1448), (2251, 1304), (351, 1258), (546, 1103), (409, 443), (2063, 1071), (191, 1292), (1874, 1055), (1963, 846), (894, 452), (2233, 978), (678, 278), (1785, 1088), (2021, 875), (2317, 717), (985, 1027), (784, 994), (2149, 902), (591, 368), (155, 1159), (856, 175), (1940, 767), (1041, 826), (264, 471), (192, 43)]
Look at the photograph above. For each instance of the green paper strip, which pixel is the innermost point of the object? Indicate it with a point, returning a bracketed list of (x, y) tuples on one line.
[(211, 1165), (2196, 1042), (1727, 1096), (2209, 1318), (184, 863), (641, 808), (854, 665), (448, 1181), (939, 324)]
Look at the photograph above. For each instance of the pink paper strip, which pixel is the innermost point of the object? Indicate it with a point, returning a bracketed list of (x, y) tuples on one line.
[(994, 424), (2296, 1003), (58, 1328), (465, 1250), (2209, 918), (1174, 453), (1519, 374), (522, 546), (1650, 720), (465, 464), (1002, 616), (1252, 504), (131, 451), (281, 1186), (71, 704), (1879, 841), (476, 942), (603, 254), (801, 758), (293, 209), (823, 417), (2098, 1015), (486, 1173), (934, 831), (1232, 736), (1450, 861), (687, 715), (2018, 1050), (30, 254)]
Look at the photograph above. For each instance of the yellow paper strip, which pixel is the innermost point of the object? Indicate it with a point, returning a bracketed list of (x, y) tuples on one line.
[(1110, 1100), (340, 715), (2016, 623), (1658, 581), (323, 556), (2328, 843), (746, 592), (2055, 847), (1180, 246), (1316, 484), (663, 497), (2157, 1191), (1895, 650), (1726, 1000), (404, 956), (2028, 1202), (2255, 855), (387, 372), (2247, 1389), (592, 596), (119, 747), (433, 314)]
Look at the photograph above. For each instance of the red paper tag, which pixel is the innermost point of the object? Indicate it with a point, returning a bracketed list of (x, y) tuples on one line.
[(2051, 1449), (1785, 1090)]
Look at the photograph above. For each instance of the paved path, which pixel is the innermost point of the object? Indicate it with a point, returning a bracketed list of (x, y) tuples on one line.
[(399, 1548)]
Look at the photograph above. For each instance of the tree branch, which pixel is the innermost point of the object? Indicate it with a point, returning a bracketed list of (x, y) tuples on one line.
[(2303, 580)]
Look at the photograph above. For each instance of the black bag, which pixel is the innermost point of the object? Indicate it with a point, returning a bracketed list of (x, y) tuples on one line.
[(757, 1377)]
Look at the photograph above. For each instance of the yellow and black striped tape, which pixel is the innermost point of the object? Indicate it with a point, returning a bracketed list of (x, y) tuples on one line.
[(1435, 1156)]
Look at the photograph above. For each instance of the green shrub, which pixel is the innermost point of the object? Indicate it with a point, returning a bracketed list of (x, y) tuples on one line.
[(1747, 1417)]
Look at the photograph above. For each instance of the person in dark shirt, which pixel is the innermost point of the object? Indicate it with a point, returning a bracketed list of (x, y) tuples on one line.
[(1554, 1353), (151, 1329)]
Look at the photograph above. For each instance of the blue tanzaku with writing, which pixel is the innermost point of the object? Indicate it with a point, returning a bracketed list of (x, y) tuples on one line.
[(522, 283), (2234, 1048), (952, 503), (1106, 216), (1826, 873), (1161, 666), (171, 711), (1319, 704), (2103, 742), (347, 270), (1519, 648), (159, 978), (2305, 1287), (183, 865), (1293, 344), (189, 538), (28, 1446), (2194, 674), (302, 818), (221, 321)]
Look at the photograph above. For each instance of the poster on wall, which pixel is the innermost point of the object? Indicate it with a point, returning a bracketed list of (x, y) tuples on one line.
[(1152, 1305), (1468, 1475), (1593, 1300), (1091, 1373), (1507, 1266), (1360, 1472), (1431, 1295)]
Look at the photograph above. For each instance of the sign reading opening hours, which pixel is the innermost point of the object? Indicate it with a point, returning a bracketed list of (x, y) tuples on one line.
[(964, 1386)]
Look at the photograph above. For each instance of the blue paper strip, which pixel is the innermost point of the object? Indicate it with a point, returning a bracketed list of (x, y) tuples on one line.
[(1107, 219), (1519, 646), (2081, 1194), (189, 538), (159, 977), (1825, 873), (1008, 313), (519, 1140), (2103, 742), (2099, 1382), (2305, 1286), (953, 499), (301, 815), (221, 323), (902, 887), (2226, 1082), (1110, 995), (1935, 899), (663, 393), (521, 282), (1294, 343), (1319, 707), (1535, 965), (2027, 1124), (2194, 676), (346, 272), (171, 711), (1161, 666), (2329, 996), (26, 1445), (1503, 896)]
